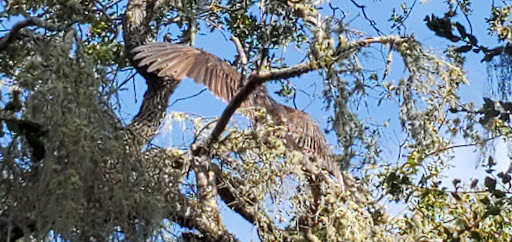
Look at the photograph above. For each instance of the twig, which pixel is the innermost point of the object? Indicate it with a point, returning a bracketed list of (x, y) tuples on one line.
[(461, 146), (405, 17), (466, 17), (372, 22), (257, 79), (188, 97)]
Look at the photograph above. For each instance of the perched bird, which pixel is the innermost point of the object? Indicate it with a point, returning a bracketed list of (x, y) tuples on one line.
[(180, 61)]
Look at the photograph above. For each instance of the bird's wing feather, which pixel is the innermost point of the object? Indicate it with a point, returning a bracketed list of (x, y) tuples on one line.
[(180, 61), (308, 135)]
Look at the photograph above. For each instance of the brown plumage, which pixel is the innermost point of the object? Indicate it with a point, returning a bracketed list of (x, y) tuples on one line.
[(180, 61)]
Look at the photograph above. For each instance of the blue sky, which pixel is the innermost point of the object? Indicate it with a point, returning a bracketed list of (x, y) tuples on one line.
[(207, 105), (465, 158)]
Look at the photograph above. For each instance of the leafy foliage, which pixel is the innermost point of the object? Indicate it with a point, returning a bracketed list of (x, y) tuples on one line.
[(71, 167)]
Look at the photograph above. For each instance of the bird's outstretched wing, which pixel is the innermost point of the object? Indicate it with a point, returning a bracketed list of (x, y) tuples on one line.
[(308, 136), (180, 61)]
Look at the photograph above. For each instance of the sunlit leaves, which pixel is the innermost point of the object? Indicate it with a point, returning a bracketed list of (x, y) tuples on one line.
[(84, 161), (499, 22)]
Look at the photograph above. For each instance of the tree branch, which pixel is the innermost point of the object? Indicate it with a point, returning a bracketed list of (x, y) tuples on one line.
[(206, 181), (137, 31), (185, 211), (240, 49), (372, 22), (9, 37), (245, 206), (203, 215), (151, 113), (255, 80), (223, 185), (190, 215)]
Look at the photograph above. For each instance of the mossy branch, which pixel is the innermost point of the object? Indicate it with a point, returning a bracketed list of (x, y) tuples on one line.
[(9, 37)]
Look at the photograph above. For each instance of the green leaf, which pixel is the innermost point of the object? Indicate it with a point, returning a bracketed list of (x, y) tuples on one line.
[(463, 49), (13, 126), (472, 39), (493, 210), (456, 196), (474, 182), (490, 183), (462, 30), (455, 182)]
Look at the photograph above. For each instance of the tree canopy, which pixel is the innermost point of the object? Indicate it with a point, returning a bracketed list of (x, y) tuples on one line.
[(74, 166)]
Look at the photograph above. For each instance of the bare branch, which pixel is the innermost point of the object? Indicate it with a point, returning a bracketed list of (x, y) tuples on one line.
[(188, 97), (297, 70), (372, 22), (252, 84), (240, 49)]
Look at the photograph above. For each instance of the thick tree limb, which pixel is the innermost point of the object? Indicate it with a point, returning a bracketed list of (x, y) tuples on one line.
[(204, 215), (257, 79), (154, 105), (223, 185), (206, 181), (136, 29), (9, 37), (185, 211), (253, 83), (190, 215)]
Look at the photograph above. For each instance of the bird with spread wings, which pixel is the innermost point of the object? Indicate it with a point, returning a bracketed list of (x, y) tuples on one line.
[(180, 61)]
